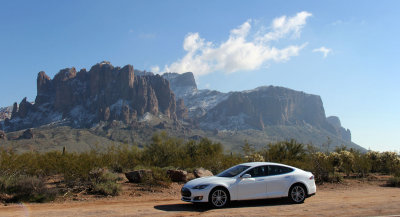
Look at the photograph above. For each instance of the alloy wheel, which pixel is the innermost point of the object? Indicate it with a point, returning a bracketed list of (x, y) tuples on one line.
[(219, 198), (298, 194)]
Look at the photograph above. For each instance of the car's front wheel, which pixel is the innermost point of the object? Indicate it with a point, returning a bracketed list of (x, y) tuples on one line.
[(219, 197), (297, 193)]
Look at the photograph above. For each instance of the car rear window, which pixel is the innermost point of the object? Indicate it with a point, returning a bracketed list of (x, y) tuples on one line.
[(277, 170)]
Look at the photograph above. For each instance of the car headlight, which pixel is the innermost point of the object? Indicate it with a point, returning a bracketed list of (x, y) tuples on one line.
[(200, 186)]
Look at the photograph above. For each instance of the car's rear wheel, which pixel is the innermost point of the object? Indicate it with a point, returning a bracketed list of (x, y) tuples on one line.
[(219, 197), (297, 193)]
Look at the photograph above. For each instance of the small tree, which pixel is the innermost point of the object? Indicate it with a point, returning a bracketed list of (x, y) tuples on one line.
[(348, 160)]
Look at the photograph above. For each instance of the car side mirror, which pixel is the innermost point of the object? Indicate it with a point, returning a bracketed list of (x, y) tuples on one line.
[(246, 176)]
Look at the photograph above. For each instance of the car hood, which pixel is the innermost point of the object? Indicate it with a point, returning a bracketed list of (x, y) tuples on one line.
[(209, 180)]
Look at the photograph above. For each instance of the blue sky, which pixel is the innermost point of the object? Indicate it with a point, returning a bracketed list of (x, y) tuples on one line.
[(229, 45)]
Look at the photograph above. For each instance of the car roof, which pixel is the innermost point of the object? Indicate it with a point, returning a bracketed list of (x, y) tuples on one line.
[(253, 164)]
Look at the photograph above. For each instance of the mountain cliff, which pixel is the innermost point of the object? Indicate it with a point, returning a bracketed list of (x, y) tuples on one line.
[(104, 93)]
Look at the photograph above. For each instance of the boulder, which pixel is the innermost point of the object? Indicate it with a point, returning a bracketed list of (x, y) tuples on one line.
[(161, 125), (177, 175), (27, 134), (137, 175), (190, 176), (3, 135), (201, 172)]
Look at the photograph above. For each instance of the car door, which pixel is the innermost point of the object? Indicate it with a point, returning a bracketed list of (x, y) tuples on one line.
[(278, 180), (254, 187)]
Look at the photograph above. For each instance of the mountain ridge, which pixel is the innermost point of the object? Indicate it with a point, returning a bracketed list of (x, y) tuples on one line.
[(128, 105)]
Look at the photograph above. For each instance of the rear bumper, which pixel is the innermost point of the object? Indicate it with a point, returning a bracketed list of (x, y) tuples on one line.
[(312, 188)]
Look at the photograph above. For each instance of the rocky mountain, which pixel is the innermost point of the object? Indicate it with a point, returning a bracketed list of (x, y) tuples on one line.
[(197, 101), (82, 99), (110, 104), (340, 131), (255, 109)]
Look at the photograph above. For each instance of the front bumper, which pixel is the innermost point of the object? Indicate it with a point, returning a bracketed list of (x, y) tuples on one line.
[(195, 195)]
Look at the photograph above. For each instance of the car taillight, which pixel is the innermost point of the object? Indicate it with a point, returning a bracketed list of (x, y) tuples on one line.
[(311, 177)]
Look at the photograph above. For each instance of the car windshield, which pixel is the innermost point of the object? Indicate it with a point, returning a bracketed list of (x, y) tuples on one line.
[(233, 171)]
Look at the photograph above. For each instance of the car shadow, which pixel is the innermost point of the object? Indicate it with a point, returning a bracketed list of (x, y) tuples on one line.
[(188, 207), (203, 207)]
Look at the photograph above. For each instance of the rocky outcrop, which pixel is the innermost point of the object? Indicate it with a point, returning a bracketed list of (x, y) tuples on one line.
[(21, 110), (104, 93), (14, 110), (343, 133), (181, 84), (5, 112), (138, 176), (27, 134), (181, 110), (266, 106), (177, 175), (201, 172)]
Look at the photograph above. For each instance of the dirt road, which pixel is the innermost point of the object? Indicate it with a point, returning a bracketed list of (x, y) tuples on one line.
[(359, 199)]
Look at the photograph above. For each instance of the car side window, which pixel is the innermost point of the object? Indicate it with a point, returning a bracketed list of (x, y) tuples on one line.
[(277, 170), (258, 171)]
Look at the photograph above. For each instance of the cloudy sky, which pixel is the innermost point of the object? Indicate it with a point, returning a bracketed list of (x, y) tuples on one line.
[(345, 51)]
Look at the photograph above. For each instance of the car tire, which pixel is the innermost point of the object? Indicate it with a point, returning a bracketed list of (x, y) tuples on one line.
[(297, 193), (219, 198)]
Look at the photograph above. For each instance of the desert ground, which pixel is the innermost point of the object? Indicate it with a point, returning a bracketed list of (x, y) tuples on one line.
[(351, 198)]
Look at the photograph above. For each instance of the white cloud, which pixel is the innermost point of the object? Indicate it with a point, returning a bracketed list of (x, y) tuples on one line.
[(283, 26), (325, 51), (238, 53)]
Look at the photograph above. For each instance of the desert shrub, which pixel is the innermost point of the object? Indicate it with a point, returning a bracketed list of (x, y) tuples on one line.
[(104, 182), (335, 178), (335, 160), (168, 152), (347, 159), (284, 151), (390, 162), (163, 151), (374, 158), (394, 181), (7, 181), (26, 188), (362, 165), (256, 157), (158, 177), (321, 167), (122, 157), (287, 152)]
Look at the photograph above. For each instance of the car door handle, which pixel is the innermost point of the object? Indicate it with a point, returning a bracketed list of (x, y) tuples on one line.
[(258, 180), (286, 177)]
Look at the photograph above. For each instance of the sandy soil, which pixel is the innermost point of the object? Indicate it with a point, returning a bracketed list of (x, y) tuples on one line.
[(352, 198)]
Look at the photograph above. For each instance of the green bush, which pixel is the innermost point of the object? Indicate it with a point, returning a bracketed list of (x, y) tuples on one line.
[(26, 188), (157, 178), (104, 182)]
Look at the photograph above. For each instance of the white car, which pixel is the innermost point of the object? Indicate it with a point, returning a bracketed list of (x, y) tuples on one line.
[(247, 181)]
